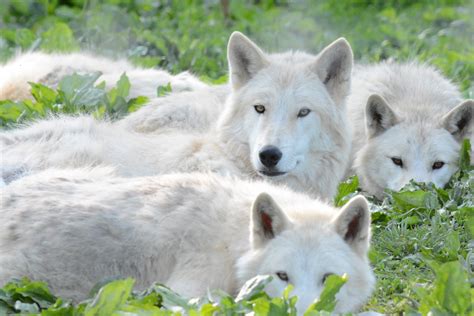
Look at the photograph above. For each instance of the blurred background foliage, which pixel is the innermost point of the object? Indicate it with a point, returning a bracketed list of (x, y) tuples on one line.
[(185, 34)]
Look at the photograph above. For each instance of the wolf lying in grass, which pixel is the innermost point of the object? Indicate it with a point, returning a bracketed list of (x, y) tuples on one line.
[(49, 69), (285, 122), (192, 232), (407, 121)]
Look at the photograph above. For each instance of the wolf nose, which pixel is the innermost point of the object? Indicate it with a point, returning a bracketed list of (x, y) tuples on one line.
[(270, 156)]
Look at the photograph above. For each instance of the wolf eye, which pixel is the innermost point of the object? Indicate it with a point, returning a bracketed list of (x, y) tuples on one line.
[(303, 112), (259, 108), (327, 275), (397, 161), (438, 165), (282, 275)]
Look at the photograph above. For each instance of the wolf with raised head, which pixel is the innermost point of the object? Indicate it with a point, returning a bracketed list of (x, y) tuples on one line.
[(408, 122), (49, 69), (285, 121), (192, 232)]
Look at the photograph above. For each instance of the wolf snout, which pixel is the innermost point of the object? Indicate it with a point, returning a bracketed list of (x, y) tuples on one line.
[(270, 156)]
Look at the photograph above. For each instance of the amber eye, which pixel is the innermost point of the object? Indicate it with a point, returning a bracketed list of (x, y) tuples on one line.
[(397, 161), (303, 112), (438, 165), (259, 108), (282, 275), (326, 276)]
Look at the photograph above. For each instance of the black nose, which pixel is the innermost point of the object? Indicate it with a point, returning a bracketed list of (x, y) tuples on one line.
[(270, 156)]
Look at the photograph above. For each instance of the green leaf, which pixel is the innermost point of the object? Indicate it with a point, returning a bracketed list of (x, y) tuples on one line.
[(59, 38), (38, 291), (465, 155), (414, 199), (451, 293), (77, 91), (110, 298), (42, 93), (346, 190), (10, 111), (26, 307), (136, 103), (327, 299), (123, 86), (253, 288), (171, 298), (161, 91)]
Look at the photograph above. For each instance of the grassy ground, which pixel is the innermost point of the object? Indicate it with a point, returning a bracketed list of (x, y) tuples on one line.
[(422, 237)]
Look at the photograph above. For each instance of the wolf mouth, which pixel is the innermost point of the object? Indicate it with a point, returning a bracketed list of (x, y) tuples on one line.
[(271, 173)]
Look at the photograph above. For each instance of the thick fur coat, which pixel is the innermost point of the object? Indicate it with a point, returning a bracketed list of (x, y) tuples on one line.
[(396, 110), (192, 232), (408, 122), (49, 69), (284, 121)]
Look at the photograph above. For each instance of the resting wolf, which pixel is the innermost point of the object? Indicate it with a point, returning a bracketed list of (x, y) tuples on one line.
[(407, 120), (285, 121), (408, 123), (49, 69), (192, 232)]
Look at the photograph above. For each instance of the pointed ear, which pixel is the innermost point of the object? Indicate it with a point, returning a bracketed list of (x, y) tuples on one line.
[(459, 120), (245, 59), (267, 220), (353, 224), (334, 68), (378, 116)]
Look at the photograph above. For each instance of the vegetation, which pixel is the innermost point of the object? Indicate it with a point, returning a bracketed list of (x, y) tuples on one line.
[(422, 249)]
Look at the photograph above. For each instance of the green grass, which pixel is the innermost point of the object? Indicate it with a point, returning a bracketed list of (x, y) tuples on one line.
[(422, 249)]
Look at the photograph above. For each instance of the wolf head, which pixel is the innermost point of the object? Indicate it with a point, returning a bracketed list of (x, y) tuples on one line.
[(402, 149), (304, 249), (285, 108)]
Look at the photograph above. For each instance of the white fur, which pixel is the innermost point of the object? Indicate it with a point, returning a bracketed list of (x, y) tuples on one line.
[(192, 232), (195, 110), (48, 69), (315, 149), (411, 101), (420, 132)]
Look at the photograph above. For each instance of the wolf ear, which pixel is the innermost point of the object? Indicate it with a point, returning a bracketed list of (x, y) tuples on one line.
[(267, 220), (245, 59), (378, 116), (334, 68), (353, 224), (459, 120)]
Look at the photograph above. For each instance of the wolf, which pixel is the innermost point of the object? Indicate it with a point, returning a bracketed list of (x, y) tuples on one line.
[(408, 122), (49, 69), (192, 232), (285, 122)]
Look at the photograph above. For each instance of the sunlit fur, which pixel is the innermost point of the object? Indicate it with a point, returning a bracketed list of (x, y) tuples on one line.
[(192, 232), (49, 69), (315, 148), (420, 97)]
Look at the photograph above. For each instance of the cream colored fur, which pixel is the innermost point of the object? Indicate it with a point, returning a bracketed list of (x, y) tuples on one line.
[(315, 148), (401, 111), (49, 69), (192, 232), (420, 133)]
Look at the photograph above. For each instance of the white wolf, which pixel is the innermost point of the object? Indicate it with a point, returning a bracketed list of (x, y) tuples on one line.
[(285, 121), (408, 122), (49, 69), (411, 130), (191, 232)]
